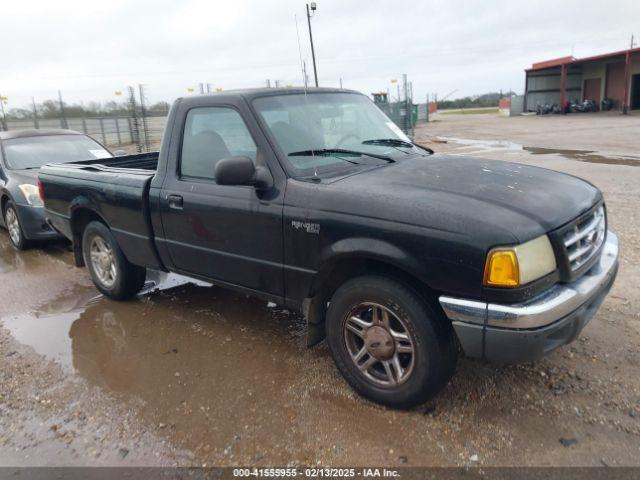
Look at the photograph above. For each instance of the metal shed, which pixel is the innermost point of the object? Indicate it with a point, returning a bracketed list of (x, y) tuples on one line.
[(615, 76)]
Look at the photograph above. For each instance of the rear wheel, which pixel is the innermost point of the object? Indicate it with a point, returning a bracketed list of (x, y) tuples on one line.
[(12, 222), (388, 342), (110, 271)]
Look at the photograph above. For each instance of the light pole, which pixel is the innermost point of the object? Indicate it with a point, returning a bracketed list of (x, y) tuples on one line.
[(312, 8), (3, 100)]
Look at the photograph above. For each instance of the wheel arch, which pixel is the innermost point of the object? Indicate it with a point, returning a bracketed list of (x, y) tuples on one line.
[(4, 198), (80, 217), (379, 258)]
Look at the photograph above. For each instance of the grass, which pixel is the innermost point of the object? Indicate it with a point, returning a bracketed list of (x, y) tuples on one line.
[(469, 111)]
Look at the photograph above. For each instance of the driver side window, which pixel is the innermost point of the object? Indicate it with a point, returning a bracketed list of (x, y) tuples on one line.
[(211, 134)]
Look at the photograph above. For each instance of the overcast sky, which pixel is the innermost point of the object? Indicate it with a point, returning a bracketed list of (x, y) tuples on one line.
[(89, 49)]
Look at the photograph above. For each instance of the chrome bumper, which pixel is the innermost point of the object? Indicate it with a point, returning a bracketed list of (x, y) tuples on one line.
[(544, 309)]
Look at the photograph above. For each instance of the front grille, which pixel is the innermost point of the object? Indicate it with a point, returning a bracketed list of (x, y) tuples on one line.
[(582, 241)]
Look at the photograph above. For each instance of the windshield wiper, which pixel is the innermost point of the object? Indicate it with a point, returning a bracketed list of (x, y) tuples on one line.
[(395, 142), (329, 151)]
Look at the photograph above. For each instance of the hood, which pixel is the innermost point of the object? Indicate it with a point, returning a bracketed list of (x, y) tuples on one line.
[(24, 176), (464, 194)]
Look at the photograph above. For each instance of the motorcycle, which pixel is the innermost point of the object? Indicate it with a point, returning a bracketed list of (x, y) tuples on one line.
[(607, 104)]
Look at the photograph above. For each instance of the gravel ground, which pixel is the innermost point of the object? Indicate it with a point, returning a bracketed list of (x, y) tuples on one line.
[(189, 374)]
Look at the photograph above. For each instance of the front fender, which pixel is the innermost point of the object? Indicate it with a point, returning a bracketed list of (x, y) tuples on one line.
[(344, 258), (372, 249)]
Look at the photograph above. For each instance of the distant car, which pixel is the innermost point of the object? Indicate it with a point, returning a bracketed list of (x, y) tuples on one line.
[(22, 153)]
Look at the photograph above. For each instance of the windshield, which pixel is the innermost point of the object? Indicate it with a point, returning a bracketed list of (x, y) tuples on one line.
[(34, 152), (308, 127)]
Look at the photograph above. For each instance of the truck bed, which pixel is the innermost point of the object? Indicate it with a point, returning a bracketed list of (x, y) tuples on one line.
[(140, 161), (116, 189)]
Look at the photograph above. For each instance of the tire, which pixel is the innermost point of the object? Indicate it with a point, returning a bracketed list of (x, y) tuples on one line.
[(16, 233), (413, 324), (110, 271)]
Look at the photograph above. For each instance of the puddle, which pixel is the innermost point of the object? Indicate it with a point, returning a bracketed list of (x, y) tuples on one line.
[(47, 328), (587, 156), (9, 258), (590, 156), (30, 260), (483, 144), (182, 350)]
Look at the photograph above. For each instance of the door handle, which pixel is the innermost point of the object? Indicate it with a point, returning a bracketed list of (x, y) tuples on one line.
[(175, 201)]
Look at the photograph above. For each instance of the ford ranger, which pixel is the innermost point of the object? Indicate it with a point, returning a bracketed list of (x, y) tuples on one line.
[(313, 199)]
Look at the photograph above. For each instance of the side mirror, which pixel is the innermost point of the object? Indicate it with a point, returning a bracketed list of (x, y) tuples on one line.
[(240, 170)]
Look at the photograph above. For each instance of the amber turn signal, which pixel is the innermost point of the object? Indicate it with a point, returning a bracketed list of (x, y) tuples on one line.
[(501, 269)]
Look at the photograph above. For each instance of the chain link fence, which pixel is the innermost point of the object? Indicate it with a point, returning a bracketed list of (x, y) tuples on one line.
[(134, 128), (402, 111), (141, 130), (127, 132)]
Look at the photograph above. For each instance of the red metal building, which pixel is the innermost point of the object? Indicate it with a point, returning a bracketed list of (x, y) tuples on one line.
[(614, 76)]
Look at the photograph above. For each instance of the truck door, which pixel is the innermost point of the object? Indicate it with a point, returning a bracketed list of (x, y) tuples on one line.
[(232, 234)]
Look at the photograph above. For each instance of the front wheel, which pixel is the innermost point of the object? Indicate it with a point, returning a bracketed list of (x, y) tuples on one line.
[(110, 270), (388, 342), (12, 222)]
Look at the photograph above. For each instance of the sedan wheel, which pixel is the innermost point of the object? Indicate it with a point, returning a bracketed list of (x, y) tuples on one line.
[(13, 227)]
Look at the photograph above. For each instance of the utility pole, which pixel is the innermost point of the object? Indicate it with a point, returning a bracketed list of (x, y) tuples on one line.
[(134, 126), (627, 79), (36, 125), (4, 115), (407, 112), (143, 114), (63, 117), (313, 53), (427, 108)]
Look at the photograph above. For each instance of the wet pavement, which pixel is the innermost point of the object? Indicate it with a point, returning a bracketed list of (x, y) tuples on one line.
[(192, 374), (470, 146)]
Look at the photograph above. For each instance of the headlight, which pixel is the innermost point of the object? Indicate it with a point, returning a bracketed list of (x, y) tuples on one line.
[(519, 265), (32, 194)]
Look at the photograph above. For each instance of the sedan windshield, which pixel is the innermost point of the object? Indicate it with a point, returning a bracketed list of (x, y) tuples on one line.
[(322, 132), (33, 152)]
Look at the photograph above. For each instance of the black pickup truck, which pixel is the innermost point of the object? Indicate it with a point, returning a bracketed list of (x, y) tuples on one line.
[(315, 200)]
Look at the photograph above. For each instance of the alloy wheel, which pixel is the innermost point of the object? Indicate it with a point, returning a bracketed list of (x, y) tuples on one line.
[(103, 261), (379, 344), (13, 226)]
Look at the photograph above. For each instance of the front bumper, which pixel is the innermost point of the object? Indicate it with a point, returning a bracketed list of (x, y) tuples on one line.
[(511, 333), (34, 224)]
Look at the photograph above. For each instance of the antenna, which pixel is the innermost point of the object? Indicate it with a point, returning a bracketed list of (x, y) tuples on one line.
[(303, 67), (302, 63)]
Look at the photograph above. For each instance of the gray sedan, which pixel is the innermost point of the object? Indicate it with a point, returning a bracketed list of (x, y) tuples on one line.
[(22, 153)]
